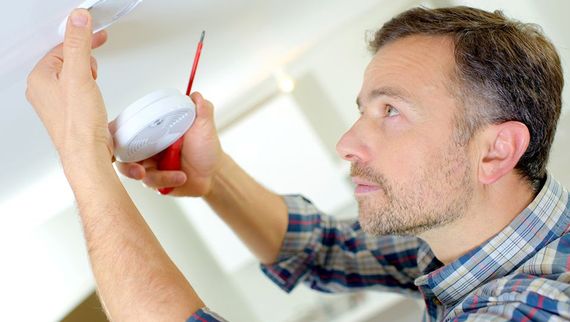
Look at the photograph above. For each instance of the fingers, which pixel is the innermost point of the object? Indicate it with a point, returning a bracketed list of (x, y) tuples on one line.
[(150, 176), (204, 108), (94, 67), (164, 179), (99, 39), (131, 170), (52, 62), (77, 46)]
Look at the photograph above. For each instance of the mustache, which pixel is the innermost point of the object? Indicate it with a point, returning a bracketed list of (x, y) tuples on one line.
[(370, 174), (367, 173)]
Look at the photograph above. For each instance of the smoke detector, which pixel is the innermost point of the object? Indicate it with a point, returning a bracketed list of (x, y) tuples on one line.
[(151, 124)]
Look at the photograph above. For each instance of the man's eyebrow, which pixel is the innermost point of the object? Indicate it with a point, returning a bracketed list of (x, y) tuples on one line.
[(392, 92)]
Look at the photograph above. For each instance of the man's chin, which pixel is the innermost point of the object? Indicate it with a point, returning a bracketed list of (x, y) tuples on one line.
[(370, 223), (378, 224)]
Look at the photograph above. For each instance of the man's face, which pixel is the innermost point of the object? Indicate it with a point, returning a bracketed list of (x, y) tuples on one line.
[(410, 173)]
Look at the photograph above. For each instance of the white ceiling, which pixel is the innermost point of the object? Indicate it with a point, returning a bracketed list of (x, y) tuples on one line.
[(153, 47)]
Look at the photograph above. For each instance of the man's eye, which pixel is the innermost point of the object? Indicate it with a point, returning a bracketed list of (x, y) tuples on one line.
[(391, 111)]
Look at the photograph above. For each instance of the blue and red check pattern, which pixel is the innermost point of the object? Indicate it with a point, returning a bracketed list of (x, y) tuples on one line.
[(520, 274), (205, 315)]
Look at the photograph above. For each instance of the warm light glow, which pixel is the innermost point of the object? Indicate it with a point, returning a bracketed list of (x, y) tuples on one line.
[(285, 82)]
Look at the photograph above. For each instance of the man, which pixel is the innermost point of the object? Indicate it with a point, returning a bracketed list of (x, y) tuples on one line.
[(458, 112)]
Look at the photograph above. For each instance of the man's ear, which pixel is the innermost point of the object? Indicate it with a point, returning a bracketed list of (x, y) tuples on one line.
[(502, 146)]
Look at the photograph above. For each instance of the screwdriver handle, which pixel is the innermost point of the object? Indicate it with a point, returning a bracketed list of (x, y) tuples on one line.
[(169, 159)]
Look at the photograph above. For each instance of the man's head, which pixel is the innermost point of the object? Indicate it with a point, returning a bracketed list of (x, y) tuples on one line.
[(454, 100)]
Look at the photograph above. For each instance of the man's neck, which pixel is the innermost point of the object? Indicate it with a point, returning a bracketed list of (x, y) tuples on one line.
[(492, 209)]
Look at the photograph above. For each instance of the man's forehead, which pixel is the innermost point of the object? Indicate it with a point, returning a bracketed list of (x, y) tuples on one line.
[(415, 51), (407, 65)]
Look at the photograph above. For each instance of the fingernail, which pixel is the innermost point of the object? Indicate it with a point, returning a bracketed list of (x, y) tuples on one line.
[(179, 179), (133, 172), (79, 18)]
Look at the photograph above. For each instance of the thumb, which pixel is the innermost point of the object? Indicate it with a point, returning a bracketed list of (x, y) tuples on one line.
[(77, 46), (204, 109)]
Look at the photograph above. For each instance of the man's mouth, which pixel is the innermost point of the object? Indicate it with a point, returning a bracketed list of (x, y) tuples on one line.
[(364, 186)]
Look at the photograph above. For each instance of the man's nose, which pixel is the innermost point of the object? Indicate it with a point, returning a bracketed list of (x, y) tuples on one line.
[(351, 145)]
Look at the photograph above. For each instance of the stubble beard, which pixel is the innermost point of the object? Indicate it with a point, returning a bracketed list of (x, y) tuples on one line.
[(435, 197)]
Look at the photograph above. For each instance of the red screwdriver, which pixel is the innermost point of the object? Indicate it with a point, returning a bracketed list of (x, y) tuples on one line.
[(169, 159)]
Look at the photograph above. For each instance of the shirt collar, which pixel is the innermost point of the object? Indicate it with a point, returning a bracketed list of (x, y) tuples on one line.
[(543, 220)]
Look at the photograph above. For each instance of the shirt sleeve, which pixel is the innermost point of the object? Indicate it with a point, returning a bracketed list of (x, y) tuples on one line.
[(335, 256), (205, 315)]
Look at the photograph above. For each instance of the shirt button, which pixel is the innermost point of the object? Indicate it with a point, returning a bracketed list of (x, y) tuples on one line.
[(436, 301)]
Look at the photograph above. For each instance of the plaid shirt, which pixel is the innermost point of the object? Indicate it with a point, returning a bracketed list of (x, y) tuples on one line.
[(520, 274)]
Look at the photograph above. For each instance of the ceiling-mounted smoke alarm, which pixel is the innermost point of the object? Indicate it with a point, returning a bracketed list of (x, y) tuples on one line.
[(151, 124), (104, 12)]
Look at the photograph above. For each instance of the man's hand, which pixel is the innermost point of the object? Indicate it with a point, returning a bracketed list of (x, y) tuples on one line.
[(63, 91), (202, 157)]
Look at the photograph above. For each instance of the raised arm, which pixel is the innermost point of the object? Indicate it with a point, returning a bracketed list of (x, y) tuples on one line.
[(257, 215), (135, 278)]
